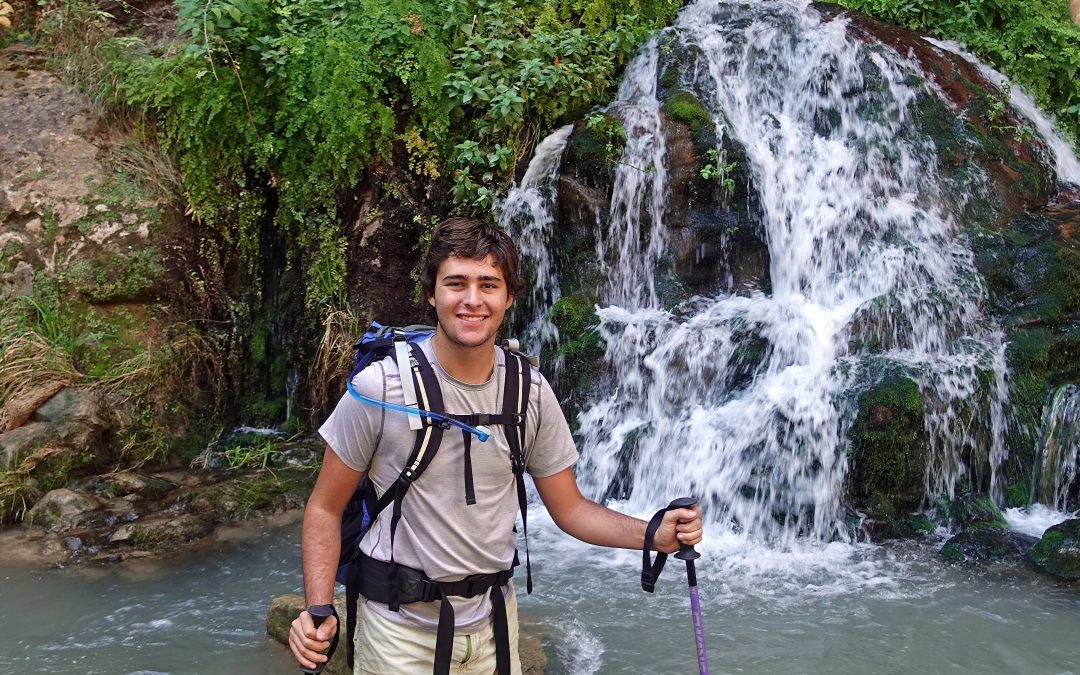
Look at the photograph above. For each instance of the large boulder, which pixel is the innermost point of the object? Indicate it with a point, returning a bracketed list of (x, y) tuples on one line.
[(1058, 552), (987, 545), (972, 511), (62, 510)]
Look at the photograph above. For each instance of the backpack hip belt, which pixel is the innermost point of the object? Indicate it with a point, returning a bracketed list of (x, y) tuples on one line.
[(394, 584), (373, 577)]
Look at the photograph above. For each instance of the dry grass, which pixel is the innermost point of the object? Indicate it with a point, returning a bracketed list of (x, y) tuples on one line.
[(333, 357), (28, 363), (16, 495)]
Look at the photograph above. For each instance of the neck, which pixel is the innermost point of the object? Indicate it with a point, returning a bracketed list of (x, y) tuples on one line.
[(471, 365)]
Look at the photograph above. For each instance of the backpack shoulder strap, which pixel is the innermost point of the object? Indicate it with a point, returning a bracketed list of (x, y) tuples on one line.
[(516, 392)]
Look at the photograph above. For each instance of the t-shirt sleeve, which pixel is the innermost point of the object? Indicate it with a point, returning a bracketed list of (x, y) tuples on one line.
[(353, 429), (552, 447)]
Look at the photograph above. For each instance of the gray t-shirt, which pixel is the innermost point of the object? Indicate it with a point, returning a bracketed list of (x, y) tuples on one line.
[(438, 532)]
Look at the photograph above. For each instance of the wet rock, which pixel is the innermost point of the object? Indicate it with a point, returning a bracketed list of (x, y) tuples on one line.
[(127, 484), (888, 454), (63, 509), (974, 512), (1058, 552), (162, 531), (284, 608), (987, 545)]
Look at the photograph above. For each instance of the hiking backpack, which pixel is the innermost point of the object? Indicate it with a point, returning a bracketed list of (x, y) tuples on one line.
[(423, 403)]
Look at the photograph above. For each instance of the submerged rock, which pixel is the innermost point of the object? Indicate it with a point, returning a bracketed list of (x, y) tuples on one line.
[(1058, 552), (987, 545)]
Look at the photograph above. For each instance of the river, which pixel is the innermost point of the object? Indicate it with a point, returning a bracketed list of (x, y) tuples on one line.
[(820, 608)]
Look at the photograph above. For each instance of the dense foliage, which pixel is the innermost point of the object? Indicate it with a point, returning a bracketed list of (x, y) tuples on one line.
[(1034, 42), (274, 108)]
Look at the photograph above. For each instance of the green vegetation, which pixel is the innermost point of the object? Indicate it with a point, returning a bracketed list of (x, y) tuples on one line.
[(888, 452), (274, 109), (1035, 43)]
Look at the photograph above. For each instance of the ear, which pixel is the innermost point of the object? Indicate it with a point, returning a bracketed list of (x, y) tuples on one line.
[(509, 300), (431, 300)]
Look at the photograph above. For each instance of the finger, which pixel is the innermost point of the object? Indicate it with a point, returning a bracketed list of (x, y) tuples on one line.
[(327, 629), (687, 515), (304, 656), (691, 537)]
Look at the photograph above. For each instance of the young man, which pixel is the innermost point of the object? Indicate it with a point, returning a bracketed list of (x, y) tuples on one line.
[(470, 277)]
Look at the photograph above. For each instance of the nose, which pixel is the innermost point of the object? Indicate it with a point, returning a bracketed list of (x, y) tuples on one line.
[(472, 295)]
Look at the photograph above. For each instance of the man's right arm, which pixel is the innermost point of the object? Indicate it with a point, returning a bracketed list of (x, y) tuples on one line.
[(320, 543)]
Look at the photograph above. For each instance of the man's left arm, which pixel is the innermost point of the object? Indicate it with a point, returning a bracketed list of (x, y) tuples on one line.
[(595, 524)]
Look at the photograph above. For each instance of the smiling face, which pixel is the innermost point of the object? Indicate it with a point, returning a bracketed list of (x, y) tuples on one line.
[(470, 299)]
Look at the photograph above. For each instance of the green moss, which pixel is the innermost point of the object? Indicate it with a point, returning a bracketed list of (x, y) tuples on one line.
[(1058, 551), (974, 512), (887, 451), (1018, 494), (115, 277), (685, 107), (1029, 348), (922, 524)]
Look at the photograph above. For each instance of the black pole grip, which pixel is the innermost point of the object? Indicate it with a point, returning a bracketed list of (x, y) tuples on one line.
[(318, 615), (686, 551)]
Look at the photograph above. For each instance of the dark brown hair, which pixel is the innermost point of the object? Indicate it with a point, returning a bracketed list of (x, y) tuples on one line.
[(471, 238)]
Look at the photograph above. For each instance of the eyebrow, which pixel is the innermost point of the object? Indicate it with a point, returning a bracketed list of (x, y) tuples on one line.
[(463, 277)]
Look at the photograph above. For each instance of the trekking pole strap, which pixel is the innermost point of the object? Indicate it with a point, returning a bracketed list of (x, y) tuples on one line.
[(650, 571)]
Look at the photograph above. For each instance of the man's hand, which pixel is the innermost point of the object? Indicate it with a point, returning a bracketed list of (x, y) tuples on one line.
[(680, 526), (307, 642)]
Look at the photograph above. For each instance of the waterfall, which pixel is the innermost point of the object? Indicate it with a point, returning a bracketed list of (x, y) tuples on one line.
[(526, 214), (746, 395), (1059, 448)]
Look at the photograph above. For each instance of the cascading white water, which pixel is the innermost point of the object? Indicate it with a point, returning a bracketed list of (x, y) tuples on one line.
[(526, 214), (1059, 448), (863, 251)]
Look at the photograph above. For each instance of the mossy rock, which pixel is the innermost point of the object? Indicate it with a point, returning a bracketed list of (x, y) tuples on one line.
[(117, 277), (888, 448), (1058, 552), (973, 512), (686, 108), (986, 545), (594, 149)]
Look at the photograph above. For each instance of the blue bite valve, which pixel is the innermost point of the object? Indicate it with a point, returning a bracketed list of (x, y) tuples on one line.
[(686, 551)]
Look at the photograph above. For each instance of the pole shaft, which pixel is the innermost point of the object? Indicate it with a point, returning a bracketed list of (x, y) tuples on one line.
[(699, 630)]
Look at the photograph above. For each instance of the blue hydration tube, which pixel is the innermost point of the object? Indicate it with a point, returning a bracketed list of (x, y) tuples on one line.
[(482, 433)]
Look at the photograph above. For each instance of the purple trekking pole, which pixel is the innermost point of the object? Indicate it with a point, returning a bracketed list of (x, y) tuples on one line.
[(650, 572)]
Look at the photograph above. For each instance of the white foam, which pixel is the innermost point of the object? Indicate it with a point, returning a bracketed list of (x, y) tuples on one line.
[(1034, 519)]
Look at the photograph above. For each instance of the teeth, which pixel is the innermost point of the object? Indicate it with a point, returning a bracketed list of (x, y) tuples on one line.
[(466, 317)]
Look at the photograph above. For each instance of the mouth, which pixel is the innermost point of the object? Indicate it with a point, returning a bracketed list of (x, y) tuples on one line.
[(471, 318)]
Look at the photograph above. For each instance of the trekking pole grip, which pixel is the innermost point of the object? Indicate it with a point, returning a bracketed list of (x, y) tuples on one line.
[(320, 613), (686, 551)]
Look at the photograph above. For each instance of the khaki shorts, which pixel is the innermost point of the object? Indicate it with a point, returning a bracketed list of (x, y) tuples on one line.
[(384, 647)]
